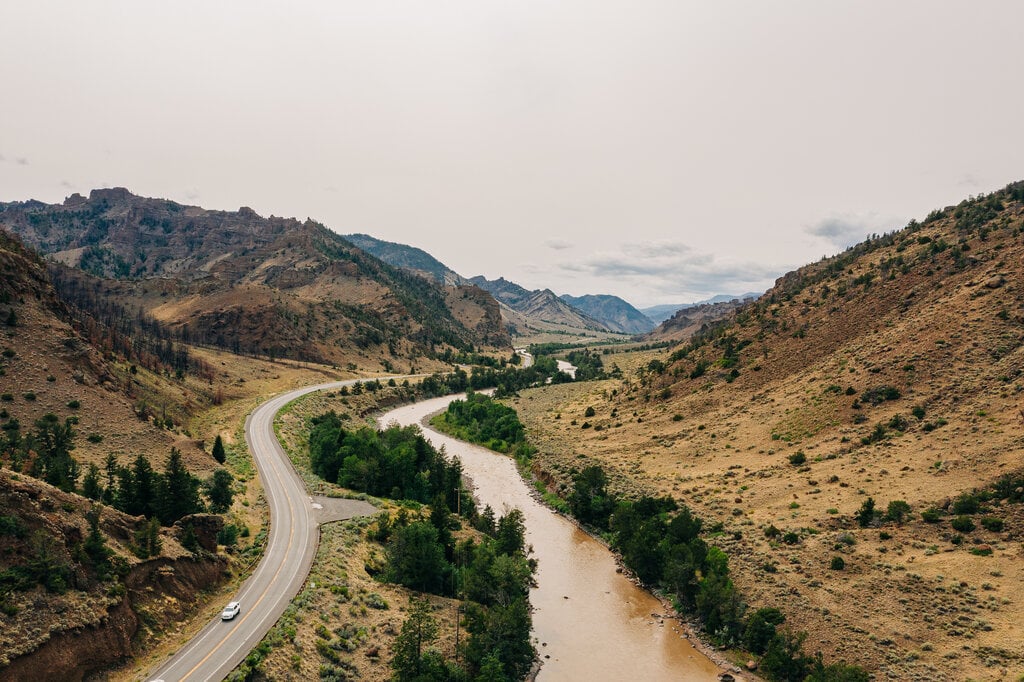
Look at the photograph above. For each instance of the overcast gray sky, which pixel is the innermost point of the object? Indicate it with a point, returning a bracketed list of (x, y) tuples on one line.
[(663, 151)]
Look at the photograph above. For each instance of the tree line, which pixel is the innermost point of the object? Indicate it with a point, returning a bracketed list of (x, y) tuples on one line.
[(660, 541), (135, 489)]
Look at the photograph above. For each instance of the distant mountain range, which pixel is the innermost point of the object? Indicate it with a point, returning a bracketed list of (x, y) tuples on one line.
[(616, 314), (535, 310), (540, 309), (660, 313)]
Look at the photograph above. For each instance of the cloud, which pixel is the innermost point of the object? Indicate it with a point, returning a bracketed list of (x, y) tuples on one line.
[(843, 230), (673, 270), (558, 244), (21, 161)]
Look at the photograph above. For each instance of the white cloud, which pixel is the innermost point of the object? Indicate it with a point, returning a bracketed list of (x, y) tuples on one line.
[(843, 230), (673, 270)]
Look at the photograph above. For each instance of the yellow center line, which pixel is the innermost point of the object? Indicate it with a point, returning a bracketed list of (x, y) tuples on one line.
[(249, 611)]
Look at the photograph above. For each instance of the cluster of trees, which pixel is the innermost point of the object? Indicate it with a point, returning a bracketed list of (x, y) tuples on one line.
[(661, 542), (111, 326), (167, 496), (479, 419), (492, 578), (589, 365), (44, 453), (396, 462)]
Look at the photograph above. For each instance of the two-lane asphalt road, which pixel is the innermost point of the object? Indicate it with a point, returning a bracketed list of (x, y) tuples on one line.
[(291, 546)]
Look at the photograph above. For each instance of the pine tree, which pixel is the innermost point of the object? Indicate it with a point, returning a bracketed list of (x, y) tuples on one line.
[(219, 492), (218, 449), (91, 483), (177, 491)]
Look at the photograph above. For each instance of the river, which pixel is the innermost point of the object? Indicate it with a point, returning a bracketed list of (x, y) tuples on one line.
[(590, 622)]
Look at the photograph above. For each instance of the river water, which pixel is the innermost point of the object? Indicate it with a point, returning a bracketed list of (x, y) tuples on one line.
[(590, 622)]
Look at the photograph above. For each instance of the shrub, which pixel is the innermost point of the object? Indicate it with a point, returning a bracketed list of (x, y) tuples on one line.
[(74, 404), (897, 511), (918, 412), (6, 397), (772, 532), (931, 515), (28, 395), (866, 513), (589, 412), (879, 394), (94, 438), (964, 524), (968, 503), (797, 458), (837, 564), (791, 538), (898, 422), (993, 524)]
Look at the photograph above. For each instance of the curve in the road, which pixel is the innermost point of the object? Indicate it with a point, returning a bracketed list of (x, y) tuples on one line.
[(291, 545)]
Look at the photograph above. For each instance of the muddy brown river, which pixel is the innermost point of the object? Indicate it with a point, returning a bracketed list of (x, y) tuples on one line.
[(589, 622)]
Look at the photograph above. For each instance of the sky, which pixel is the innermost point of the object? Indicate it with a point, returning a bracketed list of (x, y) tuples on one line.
[(661, 150)]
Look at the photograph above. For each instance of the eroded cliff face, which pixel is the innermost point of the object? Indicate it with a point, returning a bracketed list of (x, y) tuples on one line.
[(66, 630)]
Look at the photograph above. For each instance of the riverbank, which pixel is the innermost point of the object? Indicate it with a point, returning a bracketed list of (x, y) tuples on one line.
[(590, 621)]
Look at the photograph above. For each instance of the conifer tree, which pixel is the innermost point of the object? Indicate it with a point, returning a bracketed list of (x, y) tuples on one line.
[(218, 449)]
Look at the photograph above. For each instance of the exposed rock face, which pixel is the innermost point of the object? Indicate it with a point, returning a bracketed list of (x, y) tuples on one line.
[(205, 526), (91, 623)]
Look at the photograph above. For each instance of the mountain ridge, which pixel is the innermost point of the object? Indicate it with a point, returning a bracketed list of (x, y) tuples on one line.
[(269, 286)]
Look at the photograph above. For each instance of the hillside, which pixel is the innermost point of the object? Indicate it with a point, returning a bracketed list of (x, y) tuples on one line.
[(538, 310), (613, 312), (266, 286), (893, 373), (408, 257), (688, 321)]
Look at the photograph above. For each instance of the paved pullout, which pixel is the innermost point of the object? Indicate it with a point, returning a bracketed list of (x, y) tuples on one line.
[(294, 517)]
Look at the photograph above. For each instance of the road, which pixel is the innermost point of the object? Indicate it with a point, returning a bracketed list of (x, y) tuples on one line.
[(222, 645)]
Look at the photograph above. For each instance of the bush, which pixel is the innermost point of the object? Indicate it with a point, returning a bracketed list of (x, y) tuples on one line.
[(964, 524), (897, 511), (968, 503), (879, 394), (797, 458), (931, 515), (993, 524), (74, 404), (837, 564), (589, 412)]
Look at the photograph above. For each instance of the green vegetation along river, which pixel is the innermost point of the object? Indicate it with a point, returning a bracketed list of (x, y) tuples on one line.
[(590, 622)]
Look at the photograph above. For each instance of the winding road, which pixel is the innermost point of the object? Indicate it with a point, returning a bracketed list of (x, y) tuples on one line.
[(222, 645)]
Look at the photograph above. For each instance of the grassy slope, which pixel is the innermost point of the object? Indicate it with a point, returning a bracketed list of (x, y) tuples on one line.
[(944, 326)]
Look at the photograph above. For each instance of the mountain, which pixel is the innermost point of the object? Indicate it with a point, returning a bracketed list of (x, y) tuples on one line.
[(854, 437), (660, 313), (692, 319), (408, 257), (613, 312), (267, 286), (537, 310)]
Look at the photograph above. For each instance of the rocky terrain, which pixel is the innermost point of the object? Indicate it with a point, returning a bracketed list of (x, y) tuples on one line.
[(81, 620), (892, 372)]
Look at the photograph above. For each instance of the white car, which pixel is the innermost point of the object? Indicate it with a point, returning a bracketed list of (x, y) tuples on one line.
[(230, 611)]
